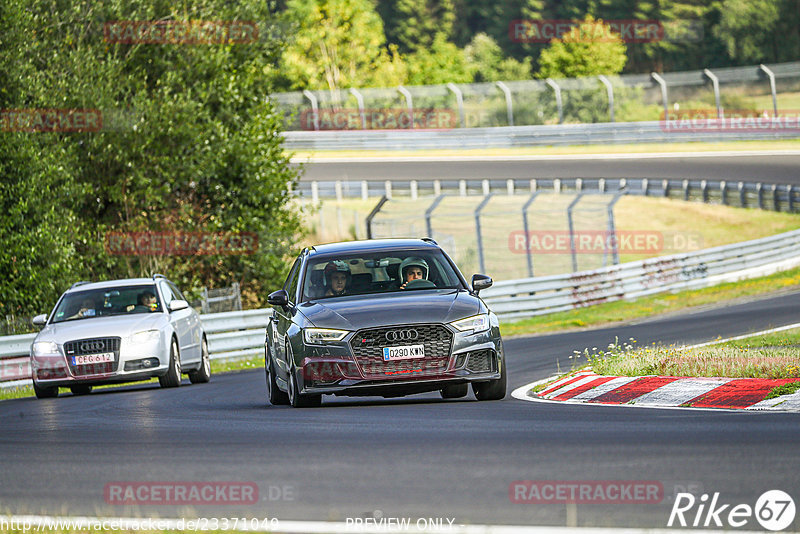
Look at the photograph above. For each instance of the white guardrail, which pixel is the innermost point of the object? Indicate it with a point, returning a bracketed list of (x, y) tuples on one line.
[(241, 333), (230, 335), (515, 299)]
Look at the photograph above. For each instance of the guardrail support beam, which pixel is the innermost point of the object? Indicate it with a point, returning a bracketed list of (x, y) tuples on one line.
[(459, 101), (372, 215), (557, 90), (429, 213), (509, 107), (715, 82), (360, 100), (610, 91), (409, 102), (663, 83), (571, 224), (314, 107), (771, 75)]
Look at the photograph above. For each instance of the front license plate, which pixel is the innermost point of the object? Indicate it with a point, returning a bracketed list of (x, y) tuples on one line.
[(88, 359), (406, 352)]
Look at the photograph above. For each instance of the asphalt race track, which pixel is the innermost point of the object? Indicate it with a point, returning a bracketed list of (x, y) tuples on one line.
[(413, 457), (771, 168)]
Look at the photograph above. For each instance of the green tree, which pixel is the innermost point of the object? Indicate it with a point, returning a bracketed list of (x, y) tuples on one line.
[(744, 29), (443, 62), (587, 50), (488, 64), (413, 24), (338, 44)]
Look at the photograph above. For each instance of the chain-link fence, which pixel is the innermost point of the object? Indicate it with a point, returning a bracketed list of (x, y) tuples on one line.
[(753, 90)]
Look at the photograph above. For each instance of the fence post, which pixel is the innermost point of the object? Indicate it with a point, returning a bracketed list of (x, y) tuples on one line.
[(414, 190), (704, 189), (409, 102), (771, 76), (437, 187), (459, 102), (510, 187), (429, 213), (742, 195), (760, 191), (572, 231), (790, 192), (388, 188), (315, 193), (665, 187), (526, 229), (715, 82), (663, 83), (478, 230), (360, 100), (204, 305), (579, 184), (373, 213), (612, 230), (776, 205), (364, 190), (314, 108), (645, 186), (509, 109), (534, 185), (462, 188), (485, 187), (623, 183), (723, 191), (337, 186), (557, 89), (686, 190), (610, 91), (557, 185), (601, 185)]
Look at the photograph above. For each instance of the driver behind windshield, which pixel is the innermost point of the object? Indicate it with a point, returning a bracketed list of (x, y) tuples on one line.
[(413, 269), (337, 278), (87, 309)]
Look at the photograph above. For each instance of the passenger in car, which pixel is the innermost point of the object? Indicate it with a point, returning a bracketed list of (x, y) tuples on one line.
[(87, 309), (146, 302), (337, 278)]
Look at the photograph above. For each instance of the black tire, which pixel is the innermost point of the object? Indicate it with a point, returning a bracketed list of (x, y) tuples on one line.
[(43, 392), (275, 396), (455, 391), (202, 374), (493, 389), (296, 399), (173, 377), (80, 390)]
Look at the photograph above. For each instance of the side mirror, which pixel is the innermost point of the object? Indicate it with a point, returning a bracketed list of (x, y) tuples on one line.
[(481, 281), (278, 298), (178, 304), (39, 320)]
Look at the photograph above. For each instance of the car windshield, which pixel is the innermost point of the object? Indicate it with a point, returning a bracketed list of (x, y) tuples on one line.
[(385, 272), (123, 300)]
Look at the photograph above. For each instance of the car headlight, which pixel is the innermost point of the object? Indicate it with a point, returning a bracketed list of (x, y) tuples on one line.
[(316, 336), (474, 324), (144, 337), (45, 348)]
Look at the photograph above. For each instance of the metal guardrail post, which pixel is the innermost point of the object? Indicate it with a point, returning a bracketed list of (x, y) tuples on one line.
[(686, 190), (612, 229), (771, 76), (372, 215), (526, 229), (478, 231), (459, 102), (760, 191), (704, 190), (409, 102), (665, 187), (645, 187), (790, 193), (509, 107), (742, 195), (610, 90), (364, 190), (429, 212), (715, 82), (572, 231), (557, 89), (663, 83), (723, 191), (776, 205), (314, 108), (360, 100)]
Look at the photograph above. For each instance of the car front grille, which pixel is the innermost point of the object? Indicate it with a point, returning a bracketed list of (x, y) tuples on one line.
[(98, 345), (481, 361), (368, 347)]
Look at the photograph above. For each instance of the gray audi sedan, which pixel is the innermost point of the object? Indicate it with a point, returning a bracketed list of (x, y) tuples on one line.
[(383, 317), (118, 331)]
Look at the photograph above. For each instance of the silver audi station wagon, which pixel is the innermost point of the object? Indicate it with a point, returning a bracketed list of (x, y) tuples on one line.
[(118, 331)]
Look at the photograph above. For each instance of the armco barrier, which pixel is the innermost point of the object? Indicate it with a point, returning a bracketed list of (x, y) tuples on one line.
[(230, 335), (518, 136), (548, 294)]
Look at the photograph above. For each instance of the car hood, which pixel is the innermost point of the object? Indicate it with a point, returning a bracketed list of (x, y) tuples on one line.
[(112, 326), (413, 307)]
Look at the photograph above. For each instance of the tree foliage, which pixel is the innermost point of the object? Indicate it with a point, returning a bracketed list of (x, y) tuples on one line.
[(588, 49)]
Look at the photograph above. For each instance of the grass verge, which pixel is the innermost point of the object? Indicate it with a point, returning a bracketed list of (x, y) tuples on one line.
[(774, 356), (217, 366), (624, 311)]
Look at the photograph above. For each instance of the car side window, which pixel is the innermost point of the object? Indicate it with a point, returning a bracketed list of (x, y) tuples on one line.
[(292, 280), (175, 291)]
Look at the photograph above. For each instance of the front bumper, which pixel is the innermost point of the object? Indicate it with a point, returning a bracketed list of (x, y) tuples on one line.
[(131, 363), (335, 369)]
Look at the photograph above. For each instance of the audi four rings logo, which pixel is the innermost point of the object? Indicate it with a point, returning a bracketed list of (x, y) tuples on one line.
[(402, 335), (92, 346)]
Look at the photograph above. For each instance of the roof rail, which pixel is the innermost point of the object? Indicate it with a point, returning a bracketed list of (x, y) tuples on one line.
[(158, 275), (430, 240), (76, 284)]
